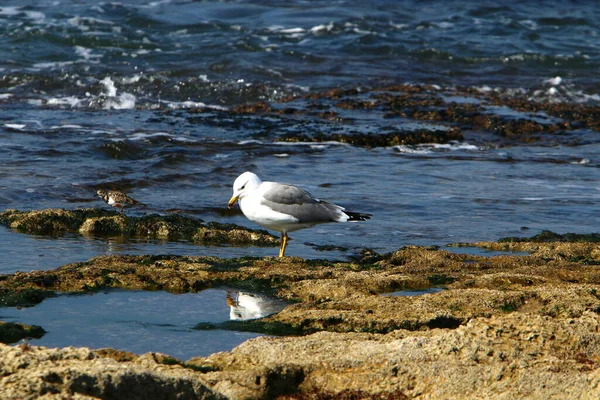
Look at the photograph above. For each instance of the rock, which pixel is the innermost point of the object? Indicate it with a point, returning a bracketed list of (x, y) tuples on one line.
[(511, 356), (28, 372), (512, 326), (12, 333), (404, 137), (98, 222)]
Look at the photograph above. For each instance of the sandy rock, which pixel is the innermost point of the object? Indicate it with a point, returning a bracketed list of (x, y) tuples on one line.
[(30, 371), (514, 356)]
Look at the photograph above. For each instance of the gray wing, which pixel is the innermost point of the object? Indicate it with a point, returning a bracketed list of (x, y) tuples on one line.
[(302, 205)]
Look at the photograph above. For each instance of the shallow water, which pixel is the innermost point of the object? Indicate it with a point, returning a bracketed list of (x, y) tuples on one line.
[(132, 321), (104, 94)]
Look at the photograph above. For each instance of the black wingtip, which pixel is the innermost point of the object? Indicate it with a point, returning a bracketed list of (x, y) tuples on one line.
[(354, 216)]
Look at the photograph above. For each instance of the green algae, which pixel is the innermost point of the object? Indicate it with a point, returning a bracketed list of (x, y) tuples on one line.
[(99, 222), (13, 332), (27, 297), (268, 327)]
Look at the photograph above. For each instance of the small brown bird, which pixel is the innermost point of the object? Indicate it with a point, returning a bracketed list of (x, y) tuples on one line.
[(118, 199)]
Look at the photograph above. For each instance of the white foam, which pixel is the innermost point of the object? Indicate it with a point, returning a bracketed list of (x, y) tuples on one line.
[(529, 24), (249, 141), (454, 146), (82, 22), (144, 135), (58, 64), (583, 161), (36, 16), (412, 149), (15, 126), (399, 26), (66, 126), (126, 101), (292, 30), (86, 53), (426, 148), (134, 79), (10, 11), (311, 144), (4, 96), (109, 85), (322, 27), (192, 104), (64, 101), (443, 25), (553, 81)]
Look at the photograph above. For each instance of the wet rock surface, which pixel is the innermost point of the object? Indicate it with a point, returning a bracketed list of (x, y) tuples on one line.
[(12, 333), (486, 116), (506, 325), (98, 222)]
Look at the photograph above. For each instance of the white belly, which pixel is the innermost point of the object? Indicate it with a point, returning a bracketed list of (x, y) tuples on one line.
[(268, 218)]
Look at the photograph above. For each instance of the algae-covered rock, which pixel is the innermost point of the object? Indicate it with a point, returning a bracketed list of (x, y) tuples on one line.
[(11, 332), (408, 137), (48, 222), (347, 296), (216, 233), (512, 326), (105, 226), (28, 296), (549, 236), (98, 222)]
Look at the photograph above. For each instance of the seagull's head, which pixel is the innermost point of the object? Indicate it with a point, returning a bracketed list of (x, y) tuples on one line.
[(244, 184)]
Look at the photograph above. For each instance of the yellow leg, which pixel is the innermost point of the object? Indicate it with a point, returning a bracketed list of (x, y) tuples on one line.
[(284, 240)]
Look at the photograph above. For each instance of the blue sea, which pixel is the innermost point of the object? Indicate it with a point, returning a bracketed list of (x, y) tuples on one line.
[(140, 96)]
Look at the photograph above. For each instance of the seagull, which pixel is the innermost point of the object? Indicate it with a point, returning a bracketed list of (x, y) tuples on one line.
[(117, 199), (285, 208)]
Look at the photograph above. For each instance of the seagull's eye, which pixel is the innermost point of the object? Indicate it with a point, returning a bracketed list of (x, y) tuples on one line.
[(242, 188)]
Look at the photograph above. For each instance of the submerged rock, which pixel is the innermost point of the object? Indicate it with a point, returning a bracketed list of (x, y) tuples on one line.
[(50, 221), (98, 222), (501, 116), (408, 137), (11, 332)]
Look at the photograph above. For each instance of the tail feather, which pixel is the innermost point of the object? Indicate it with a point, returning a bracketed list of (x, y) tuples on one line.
[(354, 216)]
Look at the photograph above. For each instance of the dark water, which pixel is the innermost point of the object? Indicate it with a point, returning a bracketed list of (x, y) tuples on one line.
[(97, 94)]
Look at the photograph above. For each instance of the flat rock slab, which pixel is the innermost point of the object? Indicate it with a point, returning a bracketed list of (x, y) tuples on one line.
[(517, 326), (99, 222), (510, 356)]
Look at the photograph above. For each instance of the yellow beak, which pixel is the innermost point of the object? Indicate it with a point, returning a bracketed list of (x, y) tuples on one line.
[(232, 201)]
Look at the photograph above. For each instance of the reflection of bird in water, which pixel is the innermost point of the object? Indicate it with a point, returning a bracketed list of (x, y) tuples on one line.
[(118, 199), (244, 305)]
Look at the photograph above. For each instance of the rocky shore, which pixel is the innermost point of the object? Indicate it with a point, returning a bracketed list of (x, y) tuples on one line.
[(517, 325), (522, 325)]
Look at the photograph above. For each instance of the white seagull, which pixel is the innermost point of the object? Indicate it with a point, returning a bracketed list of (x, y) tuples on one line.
[(285, 208)]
